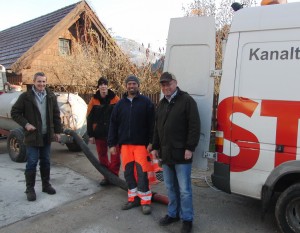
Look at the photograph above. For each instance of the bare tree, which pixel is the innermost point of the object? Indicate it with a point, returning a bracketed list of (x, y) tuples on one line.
[(223, 16), (91, 58)]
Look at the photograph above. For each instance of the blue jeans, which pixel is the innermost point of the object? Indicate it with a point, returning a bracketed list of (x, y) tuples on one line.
[(177, 179), (36, 153)]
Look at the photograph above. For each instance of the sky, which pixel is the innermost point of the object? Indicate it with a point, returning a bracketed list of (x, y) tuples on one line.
[(144, 21), (141, 20)]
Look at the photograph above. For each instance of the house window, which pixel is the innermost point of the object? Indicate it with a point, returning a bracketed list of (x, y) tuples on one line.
[(64, 46)]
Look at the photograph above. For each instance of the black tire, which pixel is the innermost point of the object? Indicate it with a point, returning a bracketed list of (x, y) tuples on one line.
[(287, 210), (15, 146), (73, 147)]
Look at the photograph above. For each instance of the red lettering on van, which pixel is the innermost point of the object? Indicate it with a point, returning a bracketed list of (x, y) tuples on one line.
[(247, 141), (287, 114)]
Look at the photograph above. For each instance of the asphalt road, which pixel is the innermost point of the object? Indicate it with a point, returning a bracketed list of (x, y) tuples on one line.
[(82, 206)]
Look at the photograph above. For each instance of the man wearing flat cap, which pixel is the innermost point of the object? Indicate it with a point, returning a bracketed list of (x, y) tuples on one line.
[(176, 135), (131, 127)]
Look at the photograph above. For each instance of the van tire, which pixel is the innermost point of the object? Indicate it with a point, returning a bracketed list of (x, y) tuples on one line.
[(287, 210), (15, 146)]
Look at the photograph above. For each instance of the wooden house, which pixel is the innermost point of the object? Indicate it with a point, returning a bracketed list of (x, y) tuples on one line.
[(36, 44)]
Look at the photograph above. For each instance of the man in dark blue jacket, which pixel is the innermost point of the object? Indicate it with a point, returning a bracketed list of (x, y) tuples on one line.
[(131, 127)]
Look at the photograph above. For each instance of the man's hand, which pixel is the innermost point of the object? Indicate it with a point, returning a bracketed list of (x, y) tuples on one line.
[(155, 153), (149, 147), (113, 150), (29, 127), (57, 137), (92, 140), (188, 154)]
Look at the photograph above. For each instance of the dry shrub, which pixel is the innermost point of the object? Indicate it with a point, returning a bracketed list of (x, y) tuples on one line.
[(93, 59)]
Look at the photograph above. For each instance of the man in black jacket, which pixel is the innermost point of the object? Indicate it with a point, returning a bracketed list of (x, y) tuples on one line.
[(131, 127), (98, 117), (37, 112), (176, 135)]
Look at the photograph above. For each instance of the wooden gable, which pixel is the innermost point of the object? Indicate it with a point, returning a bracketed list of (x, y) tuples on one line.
[(33, 45)]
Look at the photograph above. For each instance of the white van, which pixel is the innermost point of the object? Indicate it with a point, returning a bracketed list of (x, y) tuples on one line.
[(257, 140)]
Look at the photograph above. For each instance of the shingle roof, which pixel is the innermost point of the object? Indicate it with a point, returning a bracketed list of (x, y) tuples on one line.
[(16, 40)]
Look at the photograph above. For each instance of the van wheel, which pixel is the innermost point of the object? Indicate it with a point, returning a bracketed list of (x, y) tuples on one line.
[(73, 147), (287, 210), (15, 146)]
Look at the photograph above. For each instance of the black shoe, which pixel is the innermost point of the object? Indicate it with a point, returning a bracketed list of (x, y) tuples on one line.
[(186, 226), (49, 189), (130, 205), (167, 220), (30, 193), (146, 209), (104, 182)]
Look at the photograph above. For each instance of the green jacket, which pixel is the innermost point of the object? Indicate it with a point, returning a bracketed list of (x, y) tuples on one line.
[(25, 110), (177, 128)]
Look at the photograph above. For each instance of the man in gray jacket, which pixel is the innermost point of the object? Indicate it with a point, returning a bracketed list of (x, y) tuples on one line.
[(176, 135), (37, 112)]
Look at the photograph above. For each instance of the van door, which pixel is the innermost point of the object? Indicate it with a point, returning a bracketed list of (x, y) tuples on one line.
[(190, 55)]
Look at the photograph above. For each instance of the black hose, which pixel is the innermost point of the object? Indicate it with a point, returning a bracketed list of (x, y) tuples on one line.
[(112, 178)]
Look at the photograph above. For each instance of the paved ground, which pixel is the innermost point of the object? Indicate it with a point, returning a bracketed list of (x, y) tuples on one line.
[(81, 206), (14, 206)]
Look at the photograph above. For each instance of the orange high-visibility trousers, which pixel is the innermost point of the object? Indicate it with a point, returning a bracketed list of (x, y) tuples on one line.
[(136, 157)]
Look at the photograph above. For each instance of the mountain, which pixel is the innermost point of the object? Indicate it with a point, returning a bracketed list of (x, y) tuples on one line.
[(137, 53)]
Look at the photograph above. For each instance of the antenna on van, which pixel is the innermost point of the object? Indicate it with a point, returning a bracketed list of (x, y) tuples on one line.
[(236, 6)]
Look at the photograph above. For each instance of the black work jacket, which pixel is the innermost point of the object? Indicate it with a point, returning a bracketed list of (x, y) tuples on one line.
[(131, 122), (177, 128), (25, 110), (98, 114)]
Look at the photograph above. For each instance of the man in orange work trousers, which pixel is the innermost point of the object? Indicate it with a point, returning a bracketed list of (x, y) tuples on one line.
[(131, 127)]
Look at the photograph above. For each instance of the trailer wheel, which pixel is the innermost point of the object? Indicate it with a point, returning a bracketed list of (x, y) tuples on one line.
[(287, 210), (73, 147), (15, 146)]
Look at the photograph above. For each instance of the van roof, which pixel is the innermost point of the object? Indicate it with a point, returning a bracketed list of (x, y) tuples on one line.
[(266, 17)]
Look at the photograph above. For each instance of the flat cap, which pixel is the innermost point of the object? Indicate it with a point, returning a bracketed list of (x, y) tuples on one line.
[(167, 77)]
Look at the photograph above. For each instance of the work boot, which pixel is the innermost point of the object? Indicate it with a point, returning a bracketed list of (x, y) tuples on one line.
[(167, 220), (30, 183), (45, 177), (186, 226), (146, 209), (130, 205)]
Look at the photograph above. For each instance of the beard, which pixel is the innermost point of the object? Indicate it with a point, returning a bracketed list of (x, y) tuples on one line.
[(133, 91)]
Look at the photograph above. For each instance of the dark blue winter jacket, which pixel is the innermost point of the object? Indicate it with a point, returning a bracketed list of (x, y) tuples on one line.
[(131, 122)]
